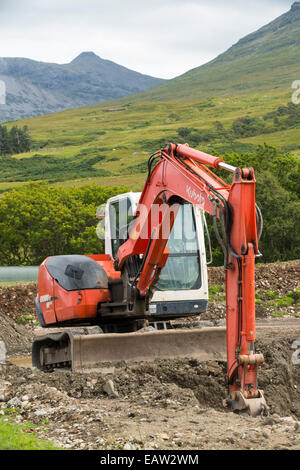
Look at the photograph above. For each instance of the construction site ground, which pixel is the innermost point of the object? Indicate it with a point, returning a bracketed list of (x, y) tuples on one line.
[(165, 404)]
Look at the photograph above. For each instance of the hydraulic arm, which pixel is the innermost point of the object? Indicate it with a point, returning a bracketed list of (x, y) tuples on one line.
[(177, 174)]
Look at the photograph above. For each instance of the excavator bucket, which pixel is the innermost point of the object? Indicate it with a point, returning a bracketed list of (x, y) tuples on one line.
[(78, 350), (252, 406)]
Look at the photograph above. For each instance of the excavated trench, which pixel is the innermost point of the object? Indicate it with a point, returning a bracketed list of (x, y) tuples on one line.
[(179, 379)]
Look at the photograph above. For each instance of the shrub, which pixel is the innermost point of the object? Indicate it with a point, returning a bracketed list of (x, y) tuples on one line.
[(40, 220)]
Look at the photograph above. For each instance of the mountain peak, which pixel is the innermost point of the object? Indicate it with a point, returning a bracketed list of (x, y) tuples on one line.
[(35, 88), (86, 58)]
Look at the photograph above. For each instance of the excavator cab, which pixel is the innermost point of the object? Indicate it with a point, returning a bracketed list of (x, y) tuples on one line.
[(182, 288)]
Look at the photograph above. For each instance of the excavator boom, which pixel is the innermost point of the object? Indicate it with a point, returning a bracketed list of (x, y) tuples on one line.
[(182, 174)]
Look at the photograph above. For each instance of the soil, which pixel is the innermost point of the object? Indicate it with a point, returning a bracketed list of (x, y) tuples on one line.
[(274, 278), (17, 337), (166, 404), (17, 301), (170, 404)]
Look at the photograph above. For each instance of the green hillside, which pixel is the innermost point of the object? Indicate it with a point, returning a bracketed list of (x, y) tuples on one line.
[(264, 61), (111, 147)]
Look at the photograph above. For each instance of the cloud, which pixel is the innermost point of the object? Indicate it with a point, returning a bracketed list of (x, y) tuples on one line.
[(160, 37)]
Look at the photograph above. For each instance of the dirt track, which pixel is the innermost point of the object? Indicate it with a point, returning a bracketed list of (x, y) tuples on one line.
[(170, 404)]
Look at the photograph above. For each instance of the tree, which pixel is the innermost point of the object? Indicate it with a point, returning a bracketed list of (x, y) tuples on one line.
[(278, 196), (4, 141), (280, 239), (14, 140), (25, 140), (284, 166), (17, 140), (40, 220)]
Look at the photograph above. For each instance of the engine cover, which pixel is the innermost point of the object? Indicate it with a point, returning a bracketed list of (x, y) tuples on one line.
[(70, 287)]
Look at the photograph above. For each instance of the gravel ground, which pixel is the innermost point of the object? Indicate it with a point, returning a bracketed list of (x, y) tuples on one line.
[(170, 404)]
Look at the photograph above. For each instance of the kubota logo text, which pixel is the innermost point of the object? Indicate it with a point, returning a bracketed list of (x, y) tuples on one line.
[(197, 197)]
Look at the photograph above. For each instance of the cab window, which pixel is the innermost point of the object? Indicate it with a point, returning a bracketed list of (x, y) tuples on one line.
[(182, 270), (120, 214)]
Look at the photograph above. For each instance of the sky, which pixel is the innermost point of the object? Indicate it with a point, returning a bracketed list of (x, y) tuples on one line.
[(162, 38)]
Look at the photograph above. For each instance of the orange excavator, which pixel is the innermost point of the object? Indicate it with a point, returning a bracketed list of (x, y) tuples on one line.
[(108, 307)]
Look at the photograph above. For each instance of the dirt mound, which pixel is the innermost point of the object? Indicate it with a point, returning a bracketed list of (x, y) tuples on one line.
[(272, 281), (183, 380), (282, 277), (279, 377), (17, 301), (165, 404), (17, 338)]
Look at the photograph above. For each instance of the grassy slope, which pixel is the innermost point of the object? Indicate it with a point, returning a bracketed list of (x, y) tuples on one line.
[(266, 60), (117, 143)]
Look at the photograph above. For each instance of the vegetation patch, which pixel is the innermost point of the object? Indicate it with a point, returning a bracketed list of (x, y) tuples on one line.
[(21, 436), (216, 293), (39, 220), (50, 168), (16, 140)]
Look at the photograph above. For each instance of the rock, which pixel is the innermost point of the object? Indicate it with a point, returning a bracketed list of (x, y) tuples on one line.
[(164, 436), (4, 390), (128, 446), (2, 353), (288, 419), (20, 380), (109, 388), (40, 413), (146, 328), (266, 433), (271, 420), (214, 368), (14, 402), (221, 322)]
